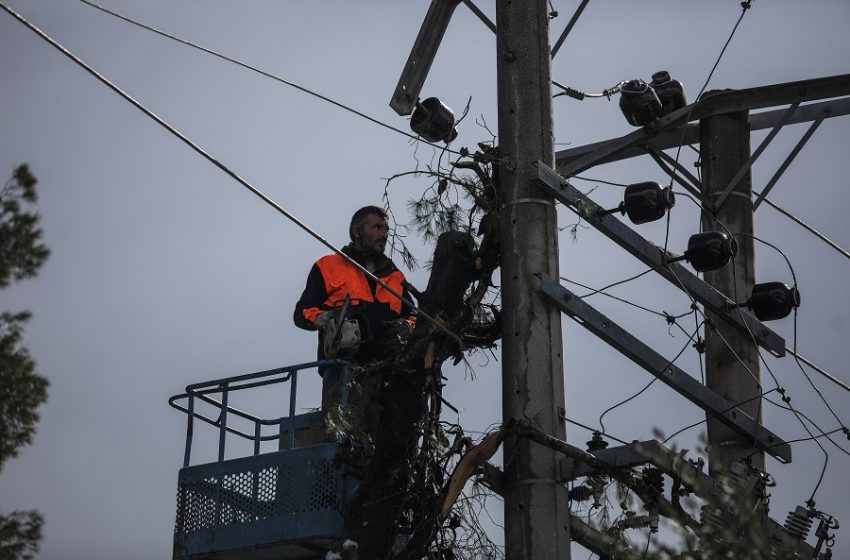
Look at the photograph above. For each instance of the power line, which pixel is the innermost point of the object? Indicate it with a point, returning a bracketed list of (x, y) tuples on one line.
[(599, 181), (595, 431), (814, 439), (717, 415), (648, 385), (740, 361), (809, 379), (806, 226), (823, 433), (794, 276), (787, 400), (821, 371), (843, 252), (745, 6), (267, 75), (617, 283), (663, 314), (265, 198)]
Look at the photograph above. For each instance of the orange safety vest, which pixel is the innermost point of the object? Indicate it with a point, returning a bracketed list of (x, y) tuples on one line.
[(344, 279)]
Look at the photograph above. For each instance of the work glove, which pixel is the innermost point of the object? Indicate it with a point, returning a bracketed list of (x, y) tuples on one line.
[(324, 319)]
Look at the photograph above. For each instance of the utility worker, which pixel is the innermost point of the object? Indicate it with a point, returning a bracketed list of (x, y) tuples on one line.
[(377, 311)]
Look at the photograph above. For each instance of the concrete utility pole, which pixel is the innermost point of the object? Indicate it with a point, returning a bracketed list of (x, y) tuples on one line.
[(536, 505), (725, 149)]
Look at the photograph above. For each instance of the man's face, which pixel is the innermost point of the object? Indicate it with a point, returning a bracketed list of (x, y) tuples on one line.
[(372, 237)]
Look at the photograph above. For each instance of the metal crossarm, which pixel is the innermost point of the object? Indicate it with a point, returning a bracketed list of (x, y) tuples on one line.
[(422, 55), (673, 464), (693, 185), (664, 370), (802, 142), (653, 256), (682, 136), (665, 133), (755, 155)]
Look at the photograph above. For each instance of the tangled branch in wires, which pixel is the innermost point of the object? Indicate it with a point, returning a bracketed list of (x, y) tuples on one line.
[(461, 197)]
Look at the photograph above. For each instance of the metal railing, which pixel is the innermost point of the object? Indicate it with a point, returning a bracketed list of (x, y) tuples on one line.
[(287, 425)]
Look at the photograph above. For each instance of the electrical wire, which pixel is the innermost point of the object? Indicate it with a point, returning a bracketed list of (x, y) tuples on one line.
[(265, 198), (647, 386), (806, 375), (787, 399), (717, 415), (670, 319), (837, 248), (755, 378), (267, 75), (823, 433), (580, 95), (792, 351), (599, 181), (826, 455), (812, 437), (322, 240), (618, 283), (595, 431), (648, 310), (628, 399), (745, 5), (808, 378), (806, 226), (819, 370), (567, 91)]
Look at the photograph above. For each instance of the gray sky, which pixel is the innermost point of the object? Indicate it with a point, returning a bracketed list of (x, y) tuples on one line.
[(166, 272)]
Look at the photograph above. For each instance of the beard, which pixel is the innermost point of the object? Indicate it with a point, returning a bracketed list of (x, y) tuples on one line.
[(375, 248)]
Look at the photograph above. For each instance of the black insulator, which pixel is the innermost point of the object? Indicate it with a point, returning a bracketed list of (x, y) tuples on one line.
[(773, 300), (709, 250), (798, 523), (670, 92), (596, 443), (639, 103), (433, 121), (647, 202)]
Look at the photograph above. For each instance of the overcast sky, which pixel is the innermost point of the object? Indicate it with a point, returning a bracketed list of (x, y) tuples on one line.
[(165, 272)]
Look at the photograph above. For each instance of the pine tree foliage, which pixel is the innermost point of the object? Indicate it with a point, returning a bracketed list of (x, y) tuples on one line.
[(21, 251), (20, 533), (22, 389)]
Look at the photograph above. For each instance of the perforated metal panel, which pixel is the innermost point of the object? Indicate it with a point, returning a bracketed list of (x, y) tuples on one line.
[(282, 505)]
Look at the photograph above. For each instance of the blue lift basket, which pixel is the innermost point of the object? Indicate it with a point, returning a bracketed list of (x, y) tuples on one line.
[(283, 504)]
